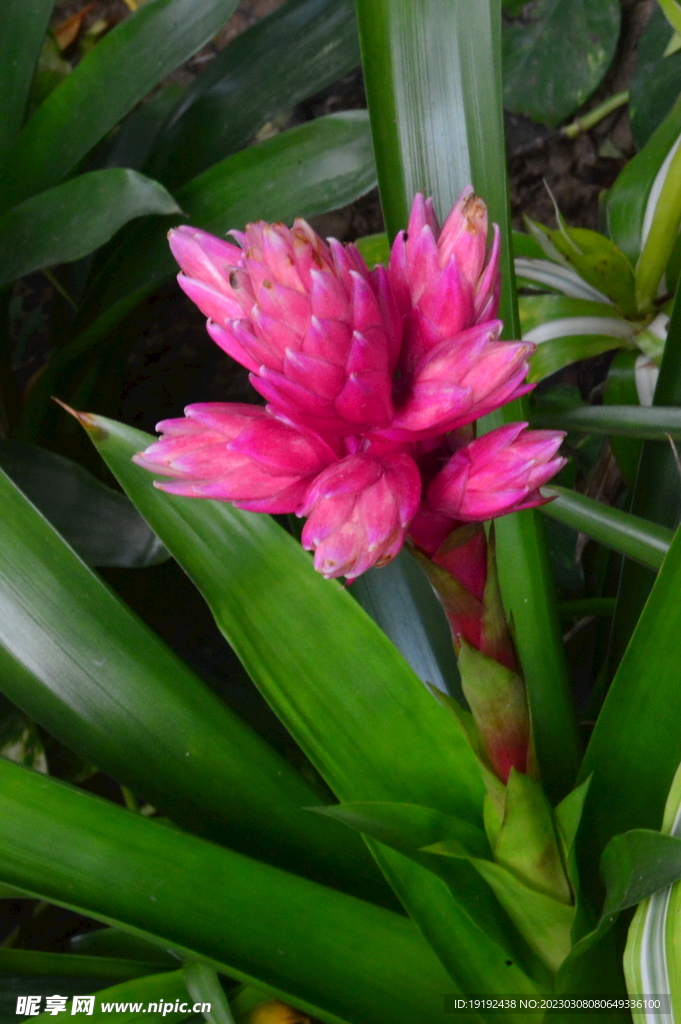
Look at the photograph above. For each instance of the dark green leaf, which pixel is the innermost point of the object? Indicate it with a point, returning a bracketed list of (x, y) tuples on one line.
[(133, 140), (620, 389), (71, 220), (339, 958), (656, 422), (105, 86), (22, 30), (556, 55), (407, 827), (637, 538), (627, 200), (637, 864), (68, 965), (79, 663), (656, 83), (401, 601), (118, 944), (635, 747), (297, 51), (101, 524)]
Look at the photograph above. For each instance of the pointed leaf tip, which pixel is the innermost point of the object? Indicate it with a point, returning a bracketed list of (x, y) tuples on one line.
[(87, 420)]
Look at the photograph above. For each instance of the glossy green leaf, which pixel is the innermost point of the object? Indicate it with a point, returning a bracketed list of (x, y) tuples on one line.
[(339, 958), (635, 747), (100, 524), (662, 223), (537, 310), (544, 923), (651, 422), (71, 220), (636, 864), (433, 79), (205, 988), (339, 686), (407, 827), (68, 965), (79, 663), (632, 536), (297, 51), (656, 82), (401, 601), (105, 86), (631, 201), (305, 171), (547, 275), (118, 944), (131, 144), (556, 353), (555, 56), (22, 30)]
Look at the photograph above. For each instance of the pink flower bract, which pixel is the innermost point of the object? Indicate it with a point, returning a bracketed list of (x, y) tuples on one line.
[(369, 377)]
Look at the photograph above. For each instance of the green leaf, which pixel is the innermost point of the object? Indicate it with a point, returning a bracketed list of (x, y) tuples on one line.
[(656, 83), (621, 389), (71, 220), (661, 237), (632, 536), (544, 923), (165, 990), (657, 493), (297, 51), (554, 354), (118, 944), (204, 987), (105, 86), (375, 249), (68, 965), (636, 864), (79, 663), (555, 56), (635, 747), (22, 30), (527, 843), (400, 600), (101, 524), (336, 957), (598, 262), (651, 422), (632, 200), (338, 685), (408, 827)]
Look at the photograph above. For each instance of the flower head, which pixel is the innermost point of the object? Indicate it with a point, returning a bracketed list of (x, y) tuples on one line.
[(370, 377)]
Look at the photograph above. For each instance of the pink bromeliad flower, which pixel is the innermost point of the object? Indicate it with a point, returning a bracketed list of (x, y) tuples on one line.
[(371, 378)]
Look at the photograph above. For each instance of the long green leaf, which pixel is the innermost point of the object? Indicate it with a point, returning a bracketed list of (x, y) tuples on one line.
[(339, 686), (629, 200), (653, 423), (297, 51), (305, 171), (340, 959), (68, 965), (79, 662), (632, 536), (73, 219), (635, 747), (656, 495), (109, 82), (22, 30)]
